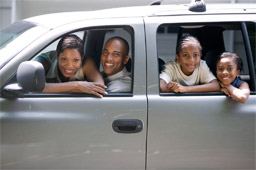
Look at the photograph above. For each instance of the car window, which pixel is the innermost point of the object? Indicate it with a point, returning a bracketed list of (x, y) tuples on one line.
[(53, 45), (12, 32), (17, 36), (215, 38), (94, 40)]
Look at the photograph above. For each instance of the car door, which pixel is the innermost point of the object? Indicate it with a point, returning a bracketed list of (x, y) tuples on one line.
[(76, 131), (197, 130)]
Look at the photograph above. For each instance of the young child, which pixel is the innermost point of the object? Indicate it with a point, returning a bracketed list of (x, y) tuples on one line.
[(229, 66), (188, 73)]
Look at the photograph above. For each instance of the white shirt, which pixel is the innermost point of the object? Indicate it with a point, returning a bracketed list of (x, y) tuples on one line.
[(119, 82), (173, 72)]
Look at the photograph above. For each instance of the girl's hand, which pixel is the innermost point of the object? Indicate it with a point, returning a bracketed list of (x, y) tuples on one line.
[(224, 90), (240, 94)]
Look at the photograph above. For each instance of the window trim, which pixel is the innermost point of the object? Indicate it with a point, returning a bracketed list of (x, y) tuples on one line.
[(162, 94), (248, 50)]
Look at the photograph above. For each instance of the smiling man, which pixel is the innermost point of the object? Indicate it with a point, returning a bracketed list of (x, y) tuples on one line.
[(113, 59)]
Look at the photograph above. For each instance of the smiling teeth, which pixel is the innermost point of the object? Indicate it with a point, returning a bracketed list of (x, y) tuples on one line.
[(109, 64), (69, 71)]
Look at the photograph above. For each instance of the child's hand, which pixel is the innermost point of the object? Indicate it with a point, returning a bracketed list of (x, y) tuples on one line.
[(224, 90), (176, 87)]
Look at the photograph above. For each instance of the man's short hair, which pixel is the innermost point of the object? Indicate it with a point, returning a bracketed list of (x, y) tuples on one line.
[(124, 41)]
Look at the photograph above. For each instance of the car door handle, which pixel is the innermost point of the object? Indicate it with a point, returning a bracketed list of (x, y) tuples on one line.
[(127, 125)]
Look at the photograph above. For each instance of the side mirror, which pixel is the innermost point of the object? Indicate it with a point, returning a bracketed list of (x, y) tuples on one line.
[(31, 76)]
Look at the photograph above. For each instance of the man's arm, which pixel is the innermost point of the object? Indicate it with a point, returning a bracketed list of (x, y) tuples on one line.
[(91, 72)]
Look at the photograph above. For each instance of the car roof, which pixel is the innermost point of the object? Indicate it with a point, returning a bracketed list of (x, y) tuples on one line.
[(58, 19)]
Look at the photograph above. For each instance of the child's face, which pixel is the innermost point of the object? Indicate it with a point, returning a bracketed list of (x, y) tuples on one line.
[(69, 62), (189, 58), (227, 70)]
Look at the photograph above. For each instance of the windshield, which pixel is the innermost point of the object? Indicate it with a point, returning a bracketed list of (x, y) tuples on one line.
[(17, 37), (13, 31)]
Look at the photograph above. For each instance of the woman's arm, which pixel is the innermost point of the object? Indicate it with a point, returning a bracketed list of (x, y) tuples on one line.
[(91, 72), (76, 86), (240, 94)]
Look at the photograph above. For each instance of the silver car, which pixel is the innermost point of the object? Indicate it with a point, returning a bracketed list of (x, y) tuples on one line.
[(143, 129)]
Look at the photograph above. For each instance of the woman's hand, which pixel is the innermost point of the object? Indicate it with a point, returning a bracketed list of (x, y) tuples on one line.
[(91, 88), (76, 86)]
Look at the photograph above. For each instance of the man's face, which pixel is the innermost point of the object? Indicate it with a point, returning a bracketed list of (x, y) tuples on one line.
[(113, 57)]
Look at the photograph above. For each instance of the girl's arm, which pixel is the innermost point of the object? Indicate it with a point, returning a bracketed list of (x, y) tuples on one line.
[(209, 87), (91, 71), (76, 86), (240, 94)]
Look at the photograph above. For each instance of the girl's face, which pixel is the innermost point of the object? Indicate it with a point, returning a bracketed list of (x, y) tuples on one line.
[(227, 70), (189, 58), (69, 62)]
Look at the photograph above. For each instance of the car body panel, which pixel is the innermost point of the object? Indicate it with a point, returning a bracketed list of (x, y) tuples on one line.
[(186, 132), (48, 135), (200, 130), (47, 132)]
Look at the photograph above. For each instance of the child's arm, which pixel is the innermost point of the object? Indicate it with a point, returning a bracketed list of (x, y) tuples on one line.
[(240, 94), (209, 87), (163, 86)]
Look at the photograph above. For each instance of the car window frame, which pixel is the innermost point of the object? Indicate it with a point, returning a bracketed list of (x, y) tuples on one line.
[(22, 94), (249, 57)]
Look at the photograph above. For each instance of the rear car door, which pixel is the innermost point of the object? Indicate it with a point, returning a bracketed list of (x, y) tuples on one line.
[(74, 131), (200, 130)]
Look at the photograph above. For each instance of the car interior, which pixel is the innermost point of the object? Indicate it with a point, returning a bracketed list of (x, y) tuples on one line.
[(95, 39)]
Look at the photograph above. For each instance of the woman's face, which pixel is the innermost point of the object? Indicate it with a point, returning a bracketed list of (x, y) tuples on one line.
[(69, 62), (227, 70)]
